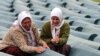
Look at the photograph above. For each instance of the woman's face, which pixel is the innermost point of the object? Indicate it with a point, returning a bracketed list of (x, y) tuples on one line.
[(26, 23), (55, 20)]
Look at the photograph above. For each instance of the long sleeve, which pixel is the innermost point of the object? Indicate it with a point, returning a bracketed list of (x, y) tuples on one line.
[(45, 33), (44, 37), (65, 30), (20, 41)]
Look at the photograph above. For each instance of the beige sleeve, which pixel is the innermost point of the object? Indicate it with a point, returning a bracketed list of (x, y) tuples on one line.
[(20, 41)]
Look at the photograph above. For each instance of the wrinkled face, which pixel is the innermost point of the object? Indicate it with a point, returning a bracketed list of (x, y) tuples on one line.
[(26, 23), (55, 20)]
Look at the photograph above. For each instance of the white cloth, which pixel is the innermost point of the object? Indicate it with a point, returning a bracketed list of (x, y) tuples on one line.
[(56, 12), (30, 35), (15, 23), (22, 16)]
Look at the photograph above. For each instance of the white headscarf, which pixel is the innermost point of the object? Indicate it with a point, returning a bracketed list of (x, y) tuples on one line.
[(22, 16), (15, 23), (30, 35), (56, 12)]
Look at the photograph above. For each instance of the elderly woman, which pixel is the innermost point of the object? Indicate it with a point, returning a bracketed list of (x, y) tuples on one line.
[(23, 39), (56, 32)]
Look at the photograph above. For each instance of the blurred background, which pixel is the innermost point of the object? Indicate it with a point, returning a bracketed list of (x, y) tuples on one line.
[(83, 17), (96, 0)]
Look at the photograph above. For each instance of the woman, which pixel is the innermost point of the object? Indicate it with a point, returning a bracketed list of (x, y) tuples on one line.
[(56, 32), (23, 39)]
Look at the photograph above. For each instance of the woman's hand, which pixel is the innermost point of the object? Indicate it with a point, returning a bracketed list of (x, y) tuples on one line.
[(55, 40), (45, 45), (39, 49)]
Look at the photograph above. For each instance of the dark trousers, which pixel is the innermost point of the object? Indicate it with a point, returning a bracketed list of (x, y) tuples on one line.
[(65, 49), (14, 51)]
